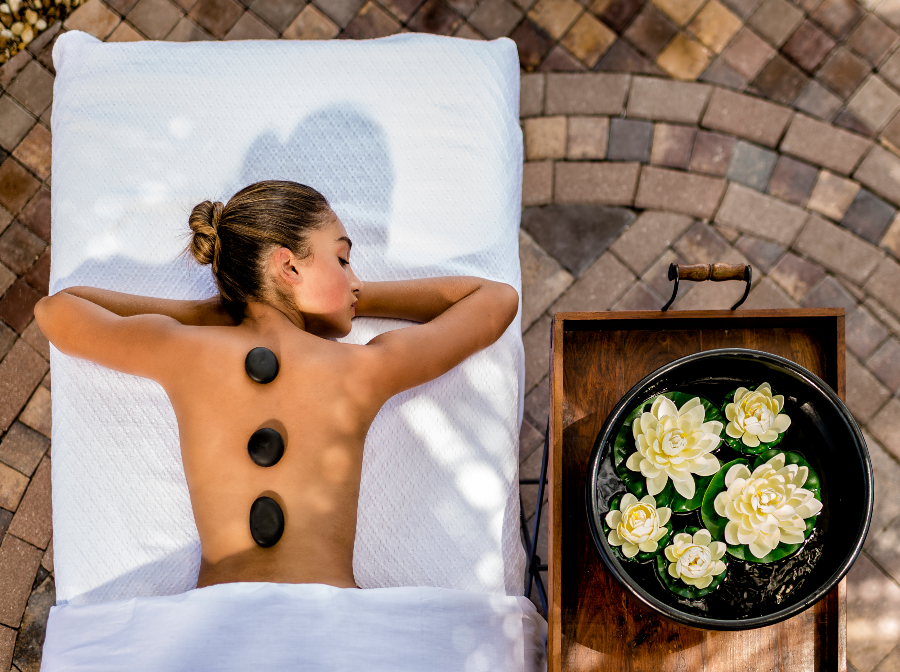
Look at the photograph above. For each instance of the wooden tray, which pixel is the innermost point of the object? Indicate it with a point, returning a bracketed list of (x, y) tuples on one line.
[(593, 623)]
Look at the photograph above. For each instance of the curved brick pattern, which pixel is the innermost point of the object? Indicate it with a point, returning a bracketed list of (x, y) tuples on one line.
[(749, 131)]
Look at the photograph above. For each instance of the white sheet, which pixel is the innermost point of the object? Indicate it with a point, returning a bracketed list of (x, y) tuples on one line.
[(272, 627), (415, 140)]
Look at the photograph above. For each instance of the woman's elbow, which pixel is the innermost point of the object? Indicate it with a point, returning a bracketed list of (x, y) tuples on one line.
[(45, 311), (40, 312), (508, 301)]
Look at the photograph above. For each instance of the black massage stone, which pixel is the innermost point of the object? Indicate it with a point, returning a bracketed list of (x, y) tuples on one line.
[(265, 447), (266, 522), (261, 365)]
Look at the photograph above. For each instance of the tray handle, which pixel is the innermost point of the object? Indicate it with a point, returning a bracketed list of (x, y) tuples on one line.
[(716, 272)]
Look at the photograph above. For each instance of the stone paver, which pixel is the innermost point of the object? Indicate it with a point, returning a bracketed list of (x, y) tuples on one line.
[(545, 138), (746, 117), (595, 183), (751, 165), (677, 191), (32, 522), (865, 394), (880, 171), (20, 372), (864, 333), (762, 253), (537, 183), (884, 283), (885, 363), (18, 565), (629, 140), (758, 214), (873, 599), (886, 473), (543, 280), (875, 103), (575, 234), (537, 352), (598, 288), (585, 94), (838, 250), (886, 426), (868, 216), (22, 448), (823, 145), (651, 234), (711, 153), (662, 100), (587, 137), (672, 145), (832, 195)]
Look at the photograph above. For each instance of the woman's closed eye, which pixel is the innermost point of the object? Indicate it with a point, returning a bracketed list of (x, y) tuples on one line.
[(344, 262)]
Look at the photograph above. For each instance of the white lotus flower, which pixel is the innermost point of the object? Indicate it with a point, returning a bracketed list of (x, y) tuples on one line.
[(755, 416), (674, 443), (695, 560), (766, 507), (637, 525)]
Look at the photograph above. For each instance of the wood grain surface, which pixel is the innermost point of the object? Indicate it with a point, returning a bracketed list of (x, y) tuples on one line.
[(594, 624)]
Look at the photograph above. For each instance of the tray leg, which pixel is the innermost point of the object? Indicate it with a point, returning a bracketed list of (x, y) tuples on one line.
[(534, 569)]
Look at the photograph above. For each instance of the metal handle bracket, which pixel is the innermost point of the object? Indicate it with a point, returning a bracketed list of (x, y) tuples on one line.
[(716, 272)]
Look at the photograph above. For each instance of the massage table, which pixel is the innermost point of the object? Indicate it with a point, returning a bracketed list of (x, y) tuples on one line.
[(414, 139)]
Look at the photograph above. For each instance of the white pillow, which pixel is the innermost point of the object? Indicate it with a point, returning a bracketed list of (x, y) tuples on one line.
[(415, 141)]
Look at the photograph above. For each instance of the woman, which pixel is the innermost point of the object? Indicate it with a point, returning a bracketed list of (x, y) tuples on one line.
[(281, 260)]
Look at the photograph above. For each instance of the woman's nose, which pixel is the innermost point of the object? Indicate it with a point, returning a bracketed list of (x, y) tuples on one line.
[(355, 283)]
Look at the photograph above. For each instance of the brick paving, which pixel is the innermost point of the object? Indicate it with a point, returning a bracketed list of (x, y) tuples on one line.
[(656, 131)]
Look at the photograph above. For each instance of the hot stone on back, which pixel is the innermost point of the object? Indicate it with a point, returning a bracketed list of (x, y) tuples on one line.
[(266, 522), (261, 365), (266, 446)]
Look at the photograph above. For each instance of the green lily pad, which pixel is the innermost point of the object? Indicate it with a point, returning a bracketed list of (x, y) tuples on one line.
[(678, 586), (642, 556), (716, 523), (623, 447), (738, 444)]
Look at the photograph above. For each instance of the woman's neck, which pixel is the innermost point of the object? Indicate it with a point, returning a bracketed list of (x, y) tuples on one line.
[(263, 315)]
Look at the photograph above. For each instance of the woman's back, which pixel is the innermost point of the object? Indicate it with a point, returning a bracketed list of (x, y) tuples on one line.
[(322, 413)]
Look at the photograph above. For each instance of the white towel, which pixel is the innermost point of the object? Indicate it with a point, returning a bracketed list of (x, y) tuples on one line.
[(415, 141), (276, 627)]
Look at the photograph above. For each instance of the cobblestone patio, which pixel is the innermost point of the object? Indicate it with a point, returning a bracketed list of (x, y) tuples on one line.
[(751, 131)]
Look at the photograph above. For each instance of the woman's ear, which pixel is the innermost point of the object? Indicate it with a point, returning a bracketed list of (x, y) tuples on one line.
[(286, 265)]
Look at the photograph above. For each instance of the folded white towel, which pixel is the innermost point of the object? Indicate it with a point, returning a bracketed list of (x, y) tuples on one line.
[(282, 626)]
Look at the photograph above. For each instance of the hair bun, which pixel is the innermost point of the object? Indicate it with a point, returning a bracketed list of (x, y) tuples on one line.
[(217, 208), (204, 222)]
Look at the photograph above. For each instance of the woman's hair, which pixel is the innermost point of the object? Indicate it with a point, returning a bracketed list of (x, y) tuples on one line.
[(236, 238)]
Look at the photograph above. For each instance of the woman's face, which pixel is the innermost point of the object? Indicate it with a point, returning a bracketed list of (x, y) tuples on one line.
[(324, 285)]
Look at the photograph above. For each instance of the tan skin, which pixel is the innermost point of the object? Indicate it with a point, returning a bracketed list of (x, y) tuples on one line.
[(323, 400)]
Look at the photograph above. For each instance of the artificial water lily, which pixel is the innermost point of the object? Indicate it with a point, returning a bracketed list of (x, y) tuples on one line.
[(637, 525), (674, 443), (755, 417), (696, 559), (766, 507)]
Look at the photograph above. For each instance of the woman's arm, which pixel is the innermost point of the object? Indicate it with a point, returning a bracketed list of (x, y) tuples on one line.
[(204, 312), (460, 316), (146, 345), (416, 300)]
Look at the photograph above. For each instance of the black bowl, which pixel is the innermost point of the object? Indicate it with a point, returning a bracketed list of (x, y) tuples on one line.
[(822, 430)]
